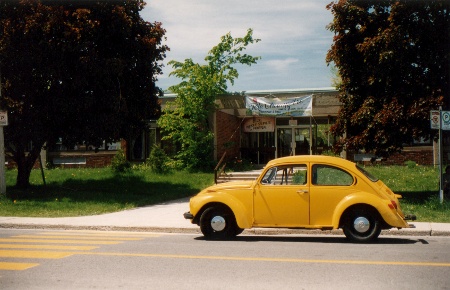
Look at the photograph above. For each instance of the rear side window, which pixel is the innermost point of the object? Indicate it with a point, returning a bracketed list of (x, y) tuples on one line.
[(329, 175), (367, 174)]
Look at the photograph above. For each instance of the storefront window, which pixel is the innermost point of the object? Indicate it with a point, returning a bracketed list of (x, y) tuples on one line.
[(142, 145), (60, 146)]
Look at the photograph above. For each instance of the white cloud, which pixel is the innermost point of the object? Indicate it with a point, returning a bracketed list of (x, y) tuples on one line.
[(280, 65), (291, 31)]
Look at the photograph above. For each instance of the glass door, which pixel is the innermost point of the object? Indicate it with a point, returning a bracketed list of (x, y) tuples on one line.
[(292, 141), (284, 142), (302, 141)]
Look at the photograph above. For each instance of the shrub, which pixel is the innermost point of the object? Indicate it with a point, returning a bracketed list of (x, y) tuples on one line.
[(157, 161), (238, 164), (119, 163), (410, 164)]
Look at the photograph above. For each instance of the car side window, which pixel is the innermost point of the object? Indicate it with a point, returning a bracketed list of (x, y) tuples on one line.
[(286, 175), (329, 175), (269, 177)]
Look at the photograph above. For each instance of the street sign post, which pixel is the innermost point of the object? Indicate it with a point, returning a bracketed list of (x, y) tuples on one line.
[(3, 118), (440, 120)]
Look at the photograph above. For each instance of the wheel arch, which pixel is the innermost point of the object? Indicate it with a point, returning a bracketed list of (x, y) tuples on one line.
[(236, 208), (353, 202)]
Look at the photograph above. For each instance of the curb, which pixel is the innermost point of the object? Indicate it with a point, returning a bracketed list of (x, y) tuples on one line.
[(254, 231)]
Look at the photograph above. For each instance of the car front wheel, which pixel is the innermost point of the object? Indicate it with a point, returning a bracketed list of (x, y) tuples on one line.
[(218, 222), (362, 225)]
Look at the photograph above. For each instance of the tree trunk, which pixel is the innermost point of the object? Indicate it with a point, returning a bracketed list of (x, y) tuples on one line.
[(23, 174), (25, 164)]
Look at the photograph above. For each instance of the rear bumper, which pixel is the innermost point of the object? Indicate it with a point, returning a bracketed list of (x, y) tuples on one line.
[(410, 217), (188, 216)]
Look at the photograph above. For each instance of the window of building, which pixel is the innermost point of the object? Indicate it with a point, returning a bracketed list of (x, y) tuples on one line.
[(60, 147)]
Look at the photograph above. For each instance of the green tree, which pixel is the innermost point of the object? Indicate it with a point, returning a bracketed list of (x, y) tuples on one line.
[(185, 121), (393, 57), (83, 71)]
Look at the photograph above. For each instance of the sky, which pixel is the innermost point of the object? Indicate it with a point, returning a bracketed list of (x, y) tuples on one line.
[(294, 39)]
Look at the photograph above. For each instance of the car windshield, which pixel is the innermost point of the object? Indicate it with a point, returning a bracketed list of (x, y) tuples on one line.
[(367, 174)]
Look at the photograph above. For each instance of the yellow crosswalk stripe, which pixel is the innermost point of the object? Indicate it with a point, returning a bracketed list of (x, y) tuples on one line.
[(48, 247), (16, 266), (104, 234), (76, 237), (34, 254), (101, 242), (57, 245)]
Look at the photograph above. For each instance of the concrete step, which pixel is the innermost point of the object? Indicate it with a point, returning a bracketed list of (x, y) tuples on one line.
[(238, 176)]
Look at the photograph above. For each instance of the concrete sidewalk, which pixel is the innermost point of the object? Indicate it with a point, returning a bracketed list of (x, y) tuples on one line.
[(168, 217)]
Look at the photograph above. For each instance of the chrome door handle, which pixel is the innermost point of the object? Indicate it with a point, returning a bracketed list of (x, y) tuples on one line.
[(302, 191)]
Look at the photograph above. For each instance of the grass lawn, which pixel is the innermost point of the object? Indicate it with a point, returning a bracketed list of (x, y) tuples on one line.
[(77, 192)]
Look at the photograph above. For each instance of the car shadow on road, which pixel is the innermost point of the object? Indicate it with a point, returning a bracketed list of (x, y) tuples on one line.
[(391, 240)]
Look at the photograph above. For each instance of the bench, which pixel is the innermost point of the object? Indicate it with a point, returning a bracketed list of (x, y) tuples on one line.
[(367, 158)]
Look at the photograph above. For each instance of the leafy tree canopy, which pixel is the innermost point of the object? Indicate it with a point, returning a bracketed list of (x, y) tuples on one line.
[(393, 57), (185, 121), (81, 70)]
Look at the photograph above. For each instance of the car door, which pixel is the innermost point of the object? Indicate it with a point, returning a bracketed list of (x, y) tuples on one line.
[(329, 186), (281, 199)]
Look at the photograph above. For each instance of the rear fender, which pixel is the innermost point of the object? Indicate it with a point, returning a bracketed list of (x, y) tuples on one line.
[(352, 200)]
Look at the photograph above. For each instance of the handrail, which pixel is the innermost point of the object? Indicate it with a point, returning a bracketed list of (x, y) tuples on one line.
[(218, 165)]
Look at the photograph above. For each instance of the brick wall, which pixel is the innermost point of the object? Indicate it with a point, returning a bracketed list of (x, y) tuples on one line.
[(100, 159), (420, 155), (227, 126), (92, 159)]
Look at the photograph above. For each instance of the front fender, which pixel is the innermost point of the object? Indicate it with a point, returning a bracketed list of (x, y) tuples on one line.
[(241, 212)]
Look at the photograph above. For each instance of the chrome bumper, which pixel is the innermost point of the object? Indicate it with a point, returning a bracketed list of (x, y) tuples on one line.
[(188, 216), (410, 217)]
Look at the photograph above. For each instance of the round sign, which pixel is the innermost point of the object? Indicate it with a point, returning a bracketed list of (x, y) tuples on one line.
[(446, 117)]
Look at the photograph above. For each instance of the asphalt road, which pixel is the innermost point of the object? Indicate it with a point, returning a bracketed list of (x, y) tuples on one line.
[(58, 259)]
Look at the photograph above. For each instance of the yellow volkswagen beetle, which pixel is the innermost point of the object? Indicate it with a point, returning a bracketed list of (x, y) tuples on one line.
[(305, 192)]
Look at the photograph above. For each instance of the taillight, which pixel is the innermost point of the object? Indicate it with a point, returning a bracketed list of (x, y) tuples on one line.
[(392, 205)]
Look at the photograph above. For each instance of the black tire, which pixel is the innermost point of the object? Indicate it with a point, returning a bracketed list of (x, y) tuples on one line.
[(238, 231), (362, 225), (218, 223)]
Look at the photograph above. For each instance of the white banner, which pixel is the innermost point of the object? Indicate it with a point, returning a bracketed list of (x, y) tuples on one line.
[(268, 106)]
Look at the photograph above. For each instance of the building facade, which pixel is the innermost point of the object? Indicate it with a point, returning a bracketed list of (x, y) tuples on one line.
[(261, 125), (256, 126)]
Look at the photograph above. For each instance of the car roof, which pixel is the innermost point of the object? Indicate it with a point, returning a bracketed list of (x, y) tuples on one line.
[(311, 158)]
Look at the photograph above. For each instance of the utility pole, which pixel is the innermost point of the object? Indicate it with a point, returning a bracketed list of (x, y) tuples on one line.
[(2, 145), (441, 159), (2, 162)]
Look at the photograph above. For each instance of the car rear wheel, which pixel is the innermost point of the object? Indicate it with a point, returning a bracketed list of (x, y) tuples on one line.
[(362, 225), (218, 222), (239, 230)]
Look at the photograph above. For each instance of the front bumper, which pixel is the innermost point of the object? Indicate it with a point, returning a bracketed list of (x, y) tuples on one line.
[(188, 216)]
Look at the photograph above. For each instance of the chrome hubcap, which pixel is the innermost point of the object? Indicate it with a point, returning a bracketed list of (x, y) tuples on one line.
[(218, 223), (361, 224)]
